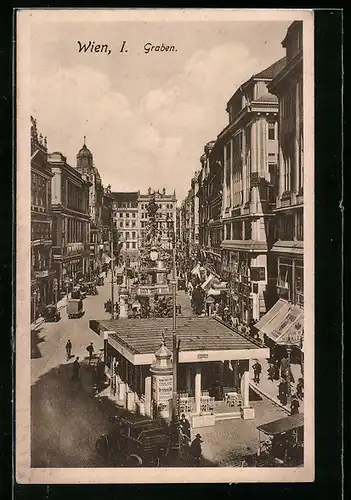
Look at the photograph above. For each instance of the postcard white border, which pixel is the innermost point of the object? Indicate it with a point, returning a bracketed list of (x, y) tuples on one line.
[(24, 473)]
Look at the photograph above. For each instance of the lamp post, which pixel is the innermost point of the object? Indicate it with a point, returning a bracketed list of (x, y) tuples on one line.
[(112, 263), (175, 444), (294, 339), (34, 304)]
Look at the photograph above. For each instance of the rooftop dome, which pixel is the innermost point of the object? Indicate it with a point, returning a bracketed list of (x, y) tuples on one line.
[(84, 151)]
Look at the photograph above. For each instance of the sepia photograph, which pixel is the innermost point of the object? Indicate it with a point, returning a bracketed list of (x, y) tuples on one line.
[(165, 167)]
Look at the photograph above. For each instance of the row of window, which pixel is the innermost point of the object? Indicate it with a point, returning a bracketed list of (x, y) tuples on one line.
[(127, 235), (127, 223), (125, 214), (129, 245), (40, 230), (166, 206), (290, 227), (40, 190), (125, 204)]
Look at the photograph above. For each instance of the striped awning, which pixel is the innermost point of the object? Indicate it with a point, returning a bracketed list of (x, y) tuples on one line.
[(206, 285), (283, 323), (220, 285)]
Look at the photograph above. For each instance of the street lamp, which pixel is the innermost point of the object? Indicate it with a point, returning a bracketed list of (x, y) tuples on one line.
[(35, 293), (154, 254), (293, 339)]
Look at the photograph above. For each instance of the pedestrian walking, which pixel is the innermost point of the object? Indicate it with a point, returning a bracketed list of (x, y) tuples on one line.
[(76, 367), (299, 388), (185, 426), (90, 350), (271, 372), (294, 406), (283, 392), (196, 449), (257, 368), (68, 349)]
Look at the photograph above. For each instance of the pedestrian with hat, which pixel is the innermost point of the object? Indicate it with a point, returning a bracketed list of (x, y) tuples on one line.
[(196, 449), (294, 406)]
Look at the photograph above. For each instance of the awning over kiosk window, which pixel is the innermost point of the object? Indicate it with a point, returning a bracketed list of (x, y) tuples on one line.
[(220, 285), (206, 285), (283, 323), (196, 270), (284, 424)]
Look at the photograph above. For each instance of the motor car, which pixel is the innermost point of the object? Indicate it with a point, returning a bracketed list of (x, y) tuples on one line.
[(134, 442)]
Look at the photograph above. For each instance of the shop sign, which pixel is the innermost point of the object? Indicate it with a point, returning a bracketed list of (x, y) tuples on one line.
[(203, 355), (162, 388), (41, 274)]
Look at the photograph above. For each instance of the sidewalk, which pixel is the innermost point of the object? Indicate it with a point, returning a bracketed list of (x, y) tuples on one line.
[(184, 300), (60, 305), (269, 388)]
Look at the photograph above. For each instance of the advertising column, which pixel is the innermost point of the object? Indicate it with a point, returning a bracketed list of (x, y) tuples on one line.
[(162, 383)]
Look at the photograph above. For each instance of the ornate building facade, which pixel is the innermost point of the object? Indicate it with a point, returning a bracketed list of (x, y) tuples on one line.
[(250, 147), (287, 251), (70, 221), (86, 167), (43, 286), (126, 219)]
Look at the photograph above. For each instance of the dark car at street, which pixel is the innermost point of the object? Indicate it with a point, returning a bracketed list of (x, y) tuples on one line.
[(134, 442)]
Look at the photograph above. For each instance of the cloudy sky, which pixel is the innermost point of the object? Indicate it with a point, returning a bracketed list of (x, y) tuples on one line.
[(146, 117)]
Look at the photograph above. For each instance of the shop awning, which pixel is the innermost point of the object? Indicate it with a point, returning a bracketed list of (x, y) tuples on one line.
[(196, 270), (212, 291), (283, 323), (206, 285), (220, 285), (282, 425)]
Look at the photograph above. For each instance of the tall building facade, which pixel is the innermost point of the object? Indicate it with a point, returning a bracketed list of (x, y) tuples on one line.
[(126, 219), (86, 167), (287, 251), (70, 221), (42, 277), (250, 147), (210, 200)]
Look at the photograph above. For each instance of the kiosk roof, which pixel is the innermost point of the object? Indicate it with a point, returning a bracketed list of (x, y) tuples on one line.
[(196, 335)]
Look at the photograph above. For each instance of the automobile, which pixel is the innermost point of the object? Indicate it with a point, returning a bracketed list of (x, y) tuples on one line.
[(99, 280), (281, 442), (50, 313), (75, 308), (91, 288), (135, 441), (181, 284)]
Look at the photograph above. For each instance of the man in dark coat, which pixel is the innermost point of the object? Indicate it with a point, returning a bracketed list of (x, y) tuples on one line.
[(283, 392), (196, 449), (90, 350), (185, 426), (294, 406), (76, 367), (257, 368), (68, 349)]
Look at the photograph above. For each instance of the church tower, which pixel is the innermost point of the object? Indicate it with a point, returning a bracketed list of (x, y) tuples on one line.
[(85, 160)]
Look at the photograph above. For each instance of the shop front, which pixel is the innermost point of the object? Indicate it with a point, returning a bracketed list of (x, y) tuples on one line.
[(213, 366)]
